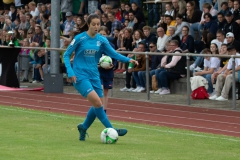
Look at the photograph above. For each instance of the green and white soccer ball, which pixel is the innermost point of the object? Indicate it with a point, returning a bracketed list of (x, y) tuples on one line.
[(105, 61), (109, 136)]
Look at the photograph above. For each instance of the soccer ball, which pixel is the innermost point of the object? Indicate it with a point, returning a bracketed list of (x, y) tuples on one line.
[(109, 136), (105, 61)]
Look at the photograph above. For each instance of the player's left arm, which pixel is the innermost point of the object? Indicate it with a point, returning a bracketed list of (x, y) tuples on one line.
[(113, 54)]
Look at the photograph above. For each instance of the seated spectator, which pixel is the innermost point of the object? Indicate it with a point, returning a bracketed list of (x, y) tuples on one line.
[(170, 22), (232, 41), (138, 12), (138, 36), (130, 80), (149, 37), (187, 41), (169, 9), (221, 20), (223, 63), (38, 36), (231, 25), (179, 25), (162, 39), (33, 10), (210, 26), (171, 36), (236, 11), (68, 25), (45, 23), (211, 65), (125, 45), (115, 23), (155, 61), (105, 21), (36, 62), (224, 8), (138, 25), (131, 17), (81, 25), (179, 7), (225, 80), (174, 69), (140, 67)]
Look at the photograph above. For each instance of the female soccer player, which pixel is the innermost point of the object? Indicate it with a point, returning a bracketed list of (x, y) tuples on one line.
[(88, 47)]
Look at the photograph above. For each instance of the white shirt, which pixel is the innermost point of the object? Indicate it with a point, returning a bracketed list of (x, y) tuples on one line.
[(218, 43), (161, 42), (214, 62), (171, 12), (35, 13), (237, 62)]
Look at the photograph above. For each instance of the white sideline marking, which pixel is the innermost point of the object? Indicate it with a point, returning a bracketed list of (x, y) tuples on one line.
[(133, 126), (145, 113), (34, 106), (137, 106)]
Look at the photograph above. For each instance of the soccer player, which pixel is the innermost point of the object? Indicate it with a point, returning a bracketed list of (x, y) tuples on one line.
[(88, 47)]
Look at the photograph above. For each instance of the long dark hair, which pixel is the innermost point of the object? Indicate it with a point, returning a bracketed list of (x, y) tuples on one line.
[(91, 17)]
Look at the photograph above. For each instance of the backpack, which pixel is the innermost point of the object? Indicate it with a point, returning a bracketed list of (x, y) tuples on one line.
[(200, 93)]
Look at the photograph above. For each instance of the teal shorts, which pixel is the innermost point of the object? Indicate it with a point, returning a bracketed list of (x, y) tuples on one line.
[(85, 86)]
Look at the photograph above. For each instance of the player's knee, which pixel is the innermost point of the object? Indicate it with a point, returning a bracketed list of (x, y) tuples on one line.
[(97, 103)]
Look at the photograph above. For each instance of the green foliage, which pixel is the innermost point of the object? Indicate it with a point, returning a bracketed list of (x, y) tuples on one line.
[(29, 134)]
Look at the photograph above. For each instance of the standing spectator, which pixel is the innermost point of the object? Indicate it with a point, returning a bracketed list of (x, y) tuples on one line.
[(115, 23), (66, 6), (187, 42), (153, 14), (162, 39), (78, 7), (33, 10)]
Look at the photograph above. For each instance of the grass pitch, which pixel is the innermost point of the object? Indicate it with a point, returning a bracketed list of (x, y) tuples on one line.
[(29, 134)]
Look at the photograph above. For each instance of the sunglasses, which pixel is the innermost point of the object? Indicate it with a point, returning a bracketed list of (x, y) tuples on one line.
[(151, 46)]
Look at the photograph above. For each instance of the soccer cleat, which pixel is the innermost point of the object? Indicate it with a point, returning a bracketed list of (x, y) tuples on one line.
[(121, 132), (82, 132)]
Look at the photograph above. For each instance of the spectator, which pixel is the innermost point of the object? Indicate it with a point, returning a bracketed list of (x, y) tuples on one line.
[(223, 63), (66, 6), (105, 21), (13, 13), (81, 25), (2, 21), (126, 45), (115, 23), (179, 25), (28, 17), (187, 42), (8, 25), (224, 8), (138, 36), (174, 69), (179, 7), (45, 23), (202, 2), (236, 12), (232, 41), (117, 12), (131, 19), (25, 52), (149, 37), (171, 36), (38, 36), (225, 80), (220, 20), (193, 17), (170, 22), (211, 65), (68, 25), (231, 25), (137, 24), (210, 25), (16, 24), (220, 39), (155, 60), (138, 12), (77, 7), (140, 67), (33, 10), (103, 8), (169, 9), (24, 24), (162, 39)]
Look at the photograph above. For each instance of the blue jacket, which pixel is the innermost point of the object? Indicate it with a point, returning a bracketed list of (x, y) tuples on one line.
[(155, 61), (212, 26), (189, 44)]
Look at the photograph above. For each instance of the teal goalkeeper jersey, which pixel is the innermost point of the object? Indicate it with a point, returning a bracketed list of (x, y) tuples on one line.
[(88, 51)]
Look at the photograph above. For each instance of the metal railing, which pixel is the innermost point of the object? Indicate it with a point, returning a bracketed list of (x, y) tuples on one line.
[(188, 55)]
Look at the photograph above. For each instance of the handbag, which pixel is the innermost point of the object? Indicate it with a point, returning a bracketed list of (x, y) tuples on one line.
[(154, 83)]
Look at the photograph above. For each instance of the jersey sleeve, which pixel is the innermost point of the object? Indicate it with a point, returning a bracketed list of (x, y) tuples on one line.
[(67, 56), (107, 48)]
